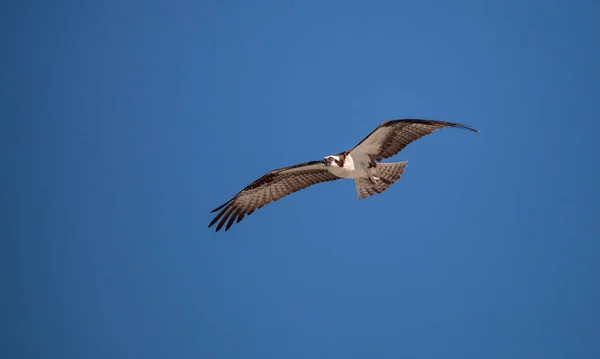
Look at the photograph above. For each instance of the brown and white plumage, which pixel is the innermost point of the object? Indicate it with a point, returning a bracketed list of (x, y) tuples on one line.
[(271, 187), (359, 163), (391, 137)]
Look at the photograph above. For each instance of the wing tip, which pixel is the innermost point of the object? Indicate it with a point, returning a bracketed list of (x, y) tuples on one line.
[(229, 215), (226, 210), (221, 206), (429, 122), (465, 127)]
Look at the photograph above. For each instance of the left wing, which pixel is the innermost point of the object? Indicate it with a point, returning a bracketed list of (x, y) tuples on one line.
[(271, 187), (391, 137)]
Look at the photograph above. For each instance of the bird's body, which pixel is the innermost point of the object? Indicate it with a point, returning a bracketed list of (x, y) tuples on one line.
[(360, 164), (351, 167)]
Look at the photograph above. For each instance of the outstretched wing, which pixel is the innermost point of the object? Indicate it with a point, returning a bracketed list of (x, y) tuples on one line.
[(392, 136), (271, 187)]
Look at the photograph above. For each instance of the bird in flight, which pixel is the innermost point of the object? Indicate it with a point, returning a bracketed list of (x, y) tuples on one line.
[(359, 163)]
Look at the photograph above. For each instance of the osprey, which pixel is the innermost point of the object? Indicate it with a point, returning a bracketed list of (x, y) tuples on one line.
[(359, 163)]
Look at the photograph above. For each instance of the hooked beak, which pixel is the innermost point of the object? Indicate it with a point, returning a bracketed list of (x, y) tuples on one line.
[(325, 162)]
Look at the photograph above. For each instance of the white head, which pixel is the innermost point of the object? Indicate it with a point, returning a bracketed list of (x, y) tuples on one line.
[(331, 160)]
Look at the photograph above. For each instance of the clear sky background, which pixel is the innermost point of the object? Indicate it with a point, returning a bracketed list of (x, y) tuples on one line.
[(125, 123)]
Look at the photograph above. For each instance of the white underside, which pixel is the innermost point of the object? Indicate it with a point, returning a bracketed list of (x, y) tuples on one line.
[(355, 166)]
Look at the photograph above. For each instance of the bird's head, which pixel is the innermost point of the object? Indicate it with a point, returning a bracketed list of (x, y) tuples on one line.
[(330, 161)]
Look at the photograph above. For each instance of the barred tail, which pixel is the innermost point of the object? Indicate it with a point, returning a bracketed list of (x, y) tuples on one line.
[(387, 174)]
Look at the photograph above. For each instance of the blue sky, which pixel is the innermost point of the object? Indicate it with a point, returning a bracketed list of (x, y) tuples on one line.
[(125, 123)]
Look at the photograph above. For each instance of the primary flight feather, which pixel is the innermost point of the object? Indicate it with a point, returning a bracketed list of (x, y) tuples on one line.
[(359, 163)]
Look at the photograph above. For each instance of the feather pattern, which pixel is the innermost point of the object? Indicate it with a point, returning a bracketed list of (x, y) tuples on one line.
[(391, 137), (270, 187)]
